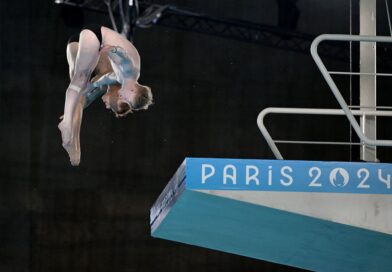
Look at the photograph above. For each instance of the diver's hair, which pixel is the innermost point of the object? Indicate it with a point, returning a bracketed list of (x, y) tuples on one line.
[(123, 109), (143, 98)]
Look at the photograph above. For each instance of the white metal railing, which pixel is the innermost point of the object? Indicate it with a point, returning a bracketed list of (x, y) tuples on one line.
[(307, 111), (345, 109)]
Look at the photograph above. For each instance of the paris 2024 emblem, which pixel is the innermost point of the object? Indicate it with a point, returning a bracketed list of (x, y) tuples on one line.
[(339, 177)]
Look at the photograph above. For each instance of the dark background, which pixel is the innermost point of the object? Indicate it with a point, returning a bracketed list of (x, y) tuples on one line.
[(208, 92)]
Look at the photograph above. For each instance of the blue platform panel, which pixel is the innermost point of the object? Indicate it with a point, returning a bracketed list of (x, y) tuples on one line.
[(184, 214)]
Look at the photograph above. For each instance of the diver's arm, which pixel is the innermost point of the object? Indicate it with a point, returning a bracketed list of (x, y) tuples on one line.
[(121, 59), (106, 79), (129, 69), (91, 96)]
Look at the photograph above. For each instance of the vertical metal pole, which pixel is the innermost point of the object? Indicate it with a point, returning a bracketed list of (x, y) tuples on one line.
[(130, 19), (368, 88)]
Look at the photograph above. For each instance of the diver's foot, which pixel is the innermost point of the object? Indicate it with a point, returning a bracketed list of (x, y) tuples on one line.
[(66, 133), (74, 154), (70, 144)]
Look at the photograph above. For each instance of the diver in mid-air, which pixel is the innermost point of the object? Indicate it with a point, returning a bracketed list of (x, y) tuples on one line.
[(116, 65)]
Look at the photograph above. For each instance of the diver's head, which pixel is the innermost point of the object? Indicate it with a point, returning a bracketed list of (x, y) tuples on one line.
[(138, 97), (126, 100)]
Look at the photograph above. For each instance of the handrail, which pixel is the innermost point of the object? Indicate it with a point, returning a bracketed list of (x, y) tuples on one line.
[(315, 111), (334, 88), (358, 73)]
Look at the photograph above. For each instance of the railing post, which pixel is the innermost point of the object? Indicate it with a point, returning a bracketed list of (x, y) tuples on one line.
[(368, 88)]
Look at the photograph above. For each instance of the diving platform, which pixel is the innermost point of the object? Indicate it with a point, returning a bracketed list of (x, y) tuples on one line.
[(321, 216)]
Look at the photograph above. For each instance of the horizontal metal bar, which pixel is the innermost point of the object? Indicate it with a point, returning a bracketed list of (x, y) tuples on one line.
[(312, 111), (370, 107), (355, 38), (358, 73), (315, 142)]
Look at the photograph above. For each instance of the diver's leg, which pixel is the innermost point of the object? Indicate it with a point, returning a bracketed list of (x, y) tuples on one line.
[(91, 91), (86, 60), (76, 124), (72, 52)]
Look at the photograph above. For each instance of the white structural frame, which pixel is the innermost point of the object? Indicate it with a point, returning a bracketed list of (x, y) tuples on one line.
[(308, 111), (345, 109)]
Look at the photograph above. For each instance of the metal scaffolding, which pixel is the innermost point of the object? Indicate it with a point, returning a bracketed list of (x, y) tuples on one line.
[(240, 30), (146, 14)]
